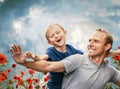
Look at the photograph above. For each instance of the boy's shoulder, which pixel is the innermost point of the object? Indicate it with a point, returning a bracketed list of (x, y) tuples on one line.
[(50, 48), (70, 46)]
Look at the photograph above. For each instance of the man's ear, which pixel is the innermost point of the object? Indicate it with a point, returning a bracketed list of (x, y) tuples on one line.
[(108, 46)]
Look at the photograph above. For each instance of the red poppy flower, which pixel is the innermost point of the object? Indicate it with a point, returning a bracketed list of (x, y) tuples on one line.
[(13, 65), (30, 71), (3, 73), (116, 58), (3, 59), (30, 86), (3, 77), (36, 80), (29, 80), (46, 78), (22, 73), (16, 77), (17, 84), (8, 71), (119, 47)]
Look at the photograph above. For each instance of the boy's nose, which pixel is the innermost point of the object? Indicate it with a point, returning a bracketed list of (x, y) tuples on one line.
[(56, 35)]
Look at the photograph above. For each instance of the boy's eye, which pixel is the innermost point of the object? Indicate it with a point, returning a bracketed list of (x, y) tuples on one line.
[(89, 40), (96, 41), (51, 36)]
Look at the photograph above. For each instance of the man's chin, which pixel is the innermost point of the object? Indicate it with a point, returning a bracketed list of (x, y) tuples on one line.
[(90, 54)]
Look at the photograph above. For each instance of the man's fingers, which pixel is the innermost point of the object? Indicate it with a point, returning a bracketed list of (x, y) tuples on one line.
[(19, 48), (15, 49), (11, 51)]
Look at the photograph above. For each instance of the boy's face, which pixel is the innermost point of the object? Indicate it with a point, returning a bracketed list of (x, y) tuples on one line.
[(56, 36), (96, 45)]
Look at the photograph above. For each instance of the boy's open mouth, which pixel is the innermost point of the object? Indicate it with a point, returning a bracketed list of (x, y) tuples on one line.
[(58, 40)]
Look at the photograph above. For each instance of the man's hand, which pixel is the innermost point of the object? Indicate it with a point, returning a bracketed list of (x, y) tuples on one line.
[(17, 54)]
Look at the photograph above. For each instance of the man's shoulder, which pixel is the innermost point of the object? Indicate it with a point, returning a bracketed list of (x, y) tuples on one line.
[(109, 67), (75, 57)]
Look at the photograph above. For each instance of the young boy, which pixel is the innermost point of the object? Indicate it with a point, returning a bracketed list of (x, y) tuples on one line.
[(56, 37)]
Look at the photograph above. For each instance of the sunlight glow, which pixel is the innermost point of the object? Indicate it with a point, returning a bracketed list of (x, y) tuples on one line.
[(17, 26), (2, 1)]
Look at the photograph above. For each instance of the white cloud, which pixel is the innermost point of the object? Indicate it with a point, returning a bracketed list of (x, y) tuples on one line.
[(17, 26), (35, 12), (80, 25), (80, 33), (2, 1), (119, 24), (116, 38), (116, 2)]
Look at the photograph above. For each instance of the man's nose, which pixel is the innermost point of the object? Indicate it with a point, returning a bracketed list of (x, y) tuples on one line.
[(91, 43)]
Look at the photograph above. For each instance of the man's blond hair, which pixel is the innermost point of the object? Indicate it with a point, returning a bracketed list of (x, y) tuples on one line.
[(108, 38)]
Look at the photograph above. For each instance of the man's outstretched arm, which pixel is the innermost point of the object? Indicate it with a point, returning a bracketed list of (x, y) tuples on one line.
[(45, 66), (42, 66)]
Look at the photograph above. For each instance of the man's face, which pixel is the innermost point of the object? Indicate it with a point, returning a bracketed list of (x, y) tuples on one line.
[(96, 45)]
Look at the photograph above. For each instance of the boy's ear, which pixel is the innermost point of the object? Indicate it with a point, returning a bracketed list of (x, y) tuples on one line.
[(49, 43), (65, 31)]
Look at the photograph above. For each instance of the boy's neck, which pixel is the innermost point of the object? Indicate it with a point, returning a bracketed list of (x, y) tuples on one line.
[(61, 49)]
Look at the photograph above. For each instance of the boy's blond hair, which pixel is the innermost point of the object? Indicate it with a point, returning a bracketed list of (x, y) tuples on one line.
[(50, 27)]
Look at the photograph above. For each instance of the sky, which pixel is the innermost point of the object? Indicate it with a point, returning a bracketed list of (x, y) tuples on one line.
[(24, 22)]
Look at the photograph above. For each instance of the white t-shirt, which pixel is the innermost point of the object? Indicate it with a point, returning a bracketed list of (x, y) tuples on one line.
[(82, 73)]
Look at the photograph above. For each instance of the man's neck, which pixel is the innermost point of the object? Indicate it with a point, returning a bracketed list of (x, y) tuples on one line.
[(97, 60)]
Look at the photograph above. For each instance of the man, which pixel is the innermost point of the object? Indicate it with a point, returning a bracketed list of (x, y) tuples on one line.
[(88, 71)]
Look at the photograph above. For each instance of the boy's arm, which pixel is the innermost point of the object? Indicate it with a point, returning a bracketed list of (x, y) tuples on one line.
[(37, 57), (113, 53), (45, 66)]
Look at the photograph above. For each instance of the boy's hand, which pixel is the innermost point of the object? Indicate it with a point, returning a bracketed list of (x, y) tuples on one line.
[(30, 55), (17, 54)]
